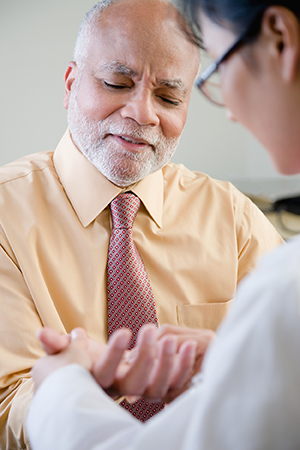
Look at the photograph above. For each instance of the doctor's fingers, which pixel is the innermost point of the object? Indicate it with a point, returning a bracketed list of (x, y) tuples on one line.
[(75, 352), (52, 341)]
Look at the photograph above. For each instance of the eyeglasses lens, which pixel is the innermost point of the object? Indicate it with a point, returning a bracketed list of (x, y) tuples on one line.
[(212, 89)]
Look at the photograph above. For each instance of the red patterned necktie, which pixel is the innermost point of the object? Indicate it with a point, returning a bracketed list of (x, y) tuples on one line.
[(130, 301)]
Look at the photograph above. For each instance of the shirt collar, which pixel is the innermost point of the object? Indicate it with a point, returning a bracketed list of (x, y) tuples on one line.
[(90, 192)]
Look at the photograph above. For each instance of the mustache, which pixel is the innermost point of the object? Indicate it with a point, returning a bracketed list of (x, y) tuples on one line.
[(134, 131), (102, 128)]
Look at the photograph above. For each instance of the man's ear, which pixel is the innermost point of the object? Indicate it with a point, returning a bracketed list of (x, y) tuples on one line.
[(70, 76), (282, 26)]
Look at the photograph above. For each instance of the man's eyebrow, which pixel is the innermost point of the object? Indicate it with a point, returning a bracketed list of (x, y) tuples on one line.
[(118, 67), (174, 84)]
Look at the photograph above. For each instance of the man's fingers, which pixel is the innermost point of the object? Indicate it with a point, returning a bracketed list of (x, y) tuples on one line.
[(184, 368), (52, 342), (203, 336), (153, 368), (161, 374), (173, 329), (105, 368), (134, 380)]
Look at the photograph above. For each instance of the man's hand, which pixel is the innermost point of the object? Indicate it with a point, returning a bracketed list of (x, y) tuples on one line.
[(187, 367), (168, 357), (145, 371), (148, 370), (159, 368)]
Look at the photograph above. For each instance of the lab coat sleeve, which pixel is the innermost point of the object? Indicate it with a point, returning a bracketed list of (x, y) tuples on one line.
[(248, 398), (70, 411)]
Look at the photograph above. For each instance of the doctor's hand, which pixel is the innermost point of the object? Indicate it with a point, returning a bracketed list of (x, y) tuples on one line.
[(76, 347), (70, 349)]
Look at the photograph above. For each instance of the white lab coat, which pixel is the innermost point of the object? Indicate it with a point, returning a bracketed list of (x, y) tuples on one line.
[(246, 398)]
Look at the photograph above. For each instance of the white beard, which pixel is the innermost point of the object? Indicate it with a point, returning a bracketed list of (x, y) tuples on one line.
[(121, 167)]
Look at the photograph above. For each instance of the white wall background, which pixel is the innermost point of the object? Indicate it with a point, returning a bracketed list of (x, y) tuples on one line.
[(36, 43)]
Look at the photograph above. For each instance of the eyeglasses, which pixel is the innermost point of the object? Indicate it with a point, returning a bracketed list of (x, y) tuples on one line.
[(209, 81)]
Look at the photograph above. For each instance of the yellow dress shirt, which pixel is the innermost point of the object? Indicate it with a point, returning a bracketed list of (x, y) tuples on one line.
[(197, 237)]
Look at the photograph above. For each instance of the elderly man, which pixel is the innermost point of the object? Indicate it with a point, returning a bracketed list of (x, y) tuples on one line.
[(67, 257)]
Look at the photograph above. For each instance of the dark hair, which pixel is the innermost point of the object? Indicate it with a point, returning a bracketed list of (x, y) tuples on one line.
[(239, 15)]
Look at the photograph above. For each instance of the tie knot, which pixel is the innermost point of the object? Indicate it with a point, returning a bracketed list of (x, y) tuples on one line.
[(123, 209)]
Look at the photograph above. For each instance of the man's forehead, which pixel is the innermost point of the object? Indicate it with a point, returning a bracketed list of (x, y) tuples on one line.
[(142, 16)]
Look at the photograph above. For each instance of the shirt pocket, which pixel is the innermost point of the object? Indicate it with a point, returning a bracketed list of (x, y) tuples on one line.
[(203, 315)]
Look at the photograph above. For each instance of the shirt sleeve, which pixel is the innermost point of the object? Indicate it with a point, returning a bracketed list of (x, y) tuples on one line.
[(19, 350), (248, 398), (255, 234)]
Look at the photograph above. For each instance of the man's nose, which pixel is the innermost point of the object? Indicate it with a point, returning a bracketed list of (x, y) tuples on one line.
[(140, 107)]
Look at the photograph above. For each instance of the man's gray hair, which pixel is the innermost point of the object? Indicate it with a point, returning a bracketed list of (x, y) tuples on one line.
[(86, 30)]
